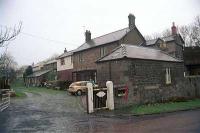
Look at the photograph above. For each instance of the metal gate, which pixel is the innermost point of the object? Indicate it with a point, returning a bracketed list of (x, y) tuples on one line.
[(100, 98), (5, 99)]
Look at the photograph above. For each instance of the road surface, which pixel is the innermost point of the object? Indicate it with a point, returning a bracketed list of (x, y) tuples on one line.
[(62, 113)]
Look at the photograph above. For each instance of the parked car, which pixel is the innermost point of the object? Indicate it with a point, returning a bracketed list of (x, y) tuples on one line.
[(79, 87)]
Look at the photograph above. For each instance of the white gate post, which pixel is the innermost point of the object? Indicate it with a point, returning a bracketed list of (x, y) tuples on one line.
[(90, 98), (110, 96)]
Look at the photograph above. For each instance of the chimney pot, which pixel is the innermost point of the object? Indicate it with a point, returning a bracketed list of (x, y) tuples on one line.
[(87, 36), (131, 19), (174, 29), (65, 50)]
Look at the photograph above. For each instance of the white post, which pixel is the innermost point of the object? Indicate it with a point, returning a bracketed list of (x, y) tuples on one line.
[(90, 98), (110, 96)]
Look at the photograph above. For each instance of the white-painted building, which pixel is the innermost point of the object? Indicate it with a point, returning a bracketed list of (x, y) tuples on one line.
[(65, 66)]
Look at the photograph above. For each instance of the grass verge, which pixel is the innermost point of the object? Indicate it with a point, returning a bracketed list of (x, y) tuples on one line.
[(20, 94), (164, 107), (20, 91)]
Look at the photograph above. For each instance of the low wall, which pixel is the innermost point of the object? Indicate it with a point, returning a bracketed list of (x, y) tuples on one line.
[(188, 88)]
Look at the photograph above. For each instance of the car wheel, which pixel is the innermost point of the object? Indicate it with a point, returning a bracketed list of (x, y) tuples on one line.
[(79, 93)]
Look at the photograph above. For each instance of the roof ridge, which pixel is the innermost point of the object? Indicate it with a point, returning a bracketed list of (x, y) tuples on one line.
[(168, 36), (155, 49), (111, 33), (104, 35), (71, 51)]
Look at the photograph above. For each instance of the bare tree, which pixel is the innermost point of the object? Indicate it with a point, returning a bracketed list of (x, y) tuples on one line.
[(191, 33), (7, 61), (153, 36), (8, 34), (166, 32), (7, 67), (54, 56)]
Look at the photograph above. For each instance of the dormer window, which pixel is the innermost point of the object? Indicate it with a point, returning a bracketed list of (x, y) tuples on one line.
[(163, 45)]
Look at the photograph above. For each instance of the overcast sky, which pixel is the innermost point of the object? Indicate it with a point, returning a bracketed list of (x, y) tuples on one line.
[(65, 21)]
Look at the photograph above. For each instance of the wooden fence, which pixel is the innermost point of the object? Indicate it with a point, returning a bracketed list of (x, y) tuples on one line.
[(5, 99)]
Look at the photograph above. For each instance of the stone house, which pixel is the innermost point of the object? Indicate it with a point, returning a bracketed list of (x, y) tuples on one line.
[(87, 54), (150, 75), (172, 44), (65, 66)]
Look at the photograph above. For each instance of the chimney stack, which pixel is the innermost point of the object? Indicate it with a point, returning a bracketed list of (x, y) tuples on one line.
[(65, 50), (131, 20), (87, 36), (174, 29)]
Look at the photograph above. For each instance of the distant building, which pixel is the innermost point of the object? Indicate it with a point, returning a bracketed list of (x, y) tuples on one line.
[(38, 66), (172, 44), (42, 72), (65, 66)]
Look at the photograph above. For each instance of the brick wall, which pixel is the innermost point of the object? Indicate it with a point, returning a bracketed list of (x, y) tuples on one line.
[(65, 75), (90, 56)]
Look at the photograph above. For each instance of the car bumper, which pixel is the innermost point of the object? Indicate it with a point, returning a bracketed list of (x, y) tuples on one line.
[(71, 90)]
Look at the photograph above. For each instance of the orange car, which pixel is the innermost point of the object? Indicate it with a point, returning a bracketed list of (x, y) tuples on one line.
[(79, 87)]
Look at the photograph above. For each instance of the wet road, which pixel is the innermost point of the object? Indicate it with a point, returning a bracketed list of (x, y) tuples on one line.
[(41, 112)]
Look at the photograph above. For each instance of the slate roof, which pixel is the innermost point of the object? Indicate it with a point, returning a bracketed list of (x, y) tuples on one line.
[(151, 42), (50, 62), (39, 64), (166, 39), (66, 54), (107, 38), (138, 52), (38, 73)]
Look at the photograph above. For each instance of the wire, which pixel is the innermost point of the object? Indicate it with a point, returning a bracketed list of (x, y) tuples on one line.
[(39, 37), (44, 38)]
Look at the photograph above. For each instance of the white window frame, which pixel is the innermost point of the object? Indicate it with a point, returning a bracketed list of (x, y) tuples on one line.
[(62, 61), (80, 57), (168, 76), (102, 51)]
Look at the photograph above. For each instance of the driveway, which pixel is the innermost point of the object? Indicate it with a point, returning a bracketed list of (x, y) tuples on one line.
[(60, 112)]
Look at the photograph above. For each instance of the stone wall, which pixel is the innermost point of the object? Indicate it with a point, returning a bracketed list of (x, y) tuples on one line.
[(146, 81)]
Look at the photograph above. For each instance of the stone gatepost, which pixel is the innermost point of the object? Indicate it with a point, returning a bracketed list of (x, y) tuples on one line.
[(90, 107), (110, 96)]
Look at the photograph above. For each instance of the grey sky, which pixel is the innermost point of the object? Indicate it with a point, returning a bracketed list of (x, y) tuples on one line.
[(66, 20)]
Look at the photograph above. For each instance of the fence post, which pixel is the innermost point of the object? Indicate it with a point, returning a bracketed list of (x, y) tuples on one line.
[(110, 96), (90, 98)]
